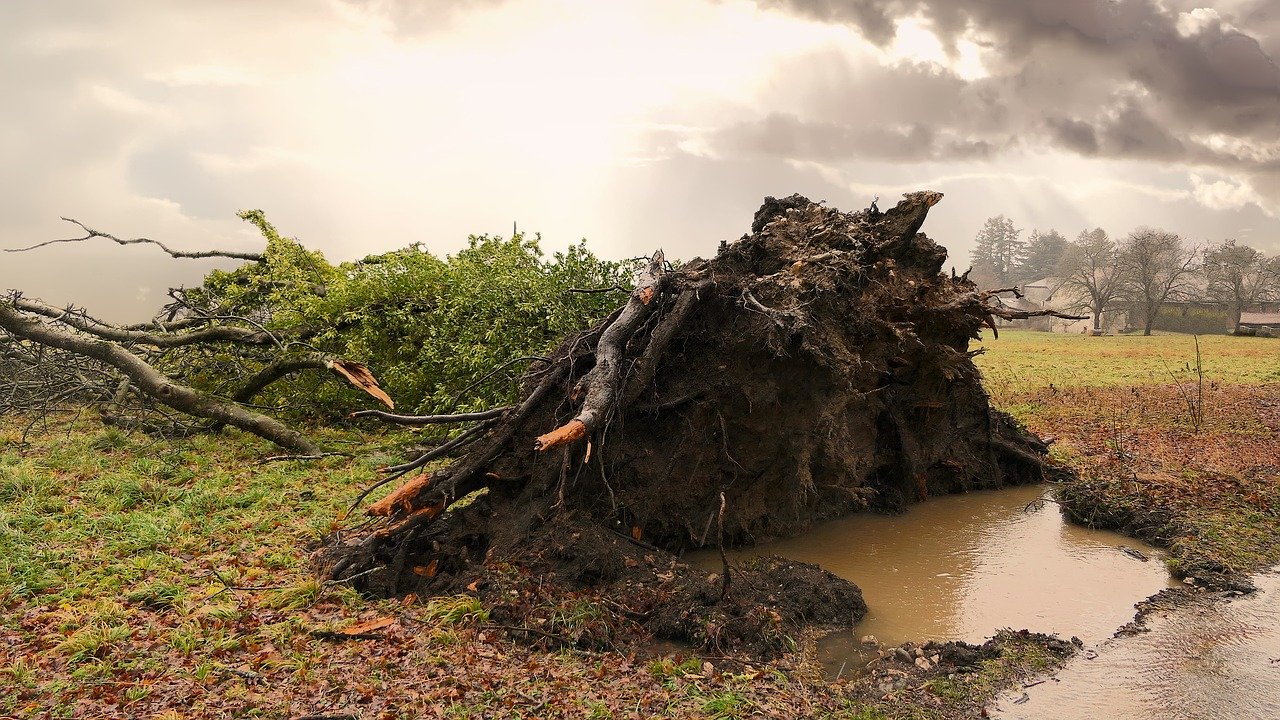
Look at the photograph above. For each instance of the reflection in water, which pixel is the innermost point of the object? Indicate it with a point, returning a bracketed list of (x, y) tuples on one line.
[(962, 566), (1207, 659)]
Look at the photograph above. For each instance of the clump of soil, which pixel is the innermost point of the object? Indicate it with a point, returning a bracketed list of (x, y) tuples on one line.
[(816, 367), (962, 677)]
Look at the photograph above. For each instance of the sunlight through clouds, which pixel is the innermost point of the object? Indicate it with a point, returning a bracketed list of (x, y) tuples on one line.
[(367, 124)]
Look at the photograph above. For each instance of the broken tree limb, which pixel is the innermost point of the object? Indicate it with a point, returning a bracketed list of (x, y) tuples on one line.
[(154, 383), (401, 499), (645, 366), (569, 432), (360, 377), (278, 369), (90, 233), (283, 367), (603, 381)]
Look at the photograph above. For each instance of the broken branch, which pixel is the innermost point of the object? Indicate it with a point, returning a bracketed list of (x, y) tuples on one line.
[(90, 233)]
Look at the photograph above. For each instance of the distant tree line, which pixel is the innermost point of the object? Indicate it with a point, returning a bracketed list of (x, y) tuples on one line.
[(1145, 270)]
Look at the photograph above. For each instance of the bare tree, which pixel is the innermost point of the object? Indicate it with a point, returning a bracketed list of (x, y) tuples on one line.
[(1239, 276), (1157, 266), (1091, 275)]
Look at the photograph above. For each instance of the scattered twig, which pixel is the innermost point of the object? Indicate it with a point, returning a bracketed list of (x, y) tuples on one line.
[(414, 420), (318, 456)]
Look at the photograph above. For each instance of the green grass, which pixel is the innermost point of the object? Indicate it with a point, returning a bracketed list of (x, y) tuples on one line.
[(90, 513), (1024, 360), (1120, 407), (136, 574)]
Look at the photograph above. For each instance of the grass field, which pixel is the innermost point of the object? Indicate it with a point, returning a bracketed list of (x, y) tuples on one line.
[(171, 579), (1023, 360)]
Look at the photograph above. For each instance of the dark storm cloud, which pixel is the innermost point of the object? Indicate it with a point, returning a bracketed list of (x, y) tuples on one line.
[(1125, 79), (1075, 135), (1215, 71), (1128, 131)]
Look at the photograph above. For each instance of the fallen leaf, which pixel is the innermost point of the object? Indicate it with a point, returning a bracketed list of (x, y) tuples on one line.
[(369, 626)]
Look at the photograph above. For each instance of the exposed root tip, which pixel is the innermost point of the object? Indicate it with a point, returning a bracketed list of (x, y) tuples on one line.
[(567, 433)]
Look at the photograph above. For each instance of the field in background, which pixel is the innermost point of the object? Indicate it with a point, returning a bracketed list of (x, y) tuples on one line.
[(1023, 360)]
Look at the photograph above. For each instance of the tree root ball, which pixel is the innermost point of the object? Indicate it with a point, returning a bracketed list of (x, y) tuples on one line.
[(816, 367)]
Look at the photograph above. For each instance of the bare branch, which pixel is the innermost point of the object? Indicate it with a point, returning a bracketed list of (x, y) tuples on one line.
[(90, 233), (473, 433), (80, 321)]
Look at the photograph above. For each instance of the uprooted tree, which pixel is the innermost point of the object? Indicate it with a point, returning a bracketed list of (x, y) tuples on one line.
[(817, 366)]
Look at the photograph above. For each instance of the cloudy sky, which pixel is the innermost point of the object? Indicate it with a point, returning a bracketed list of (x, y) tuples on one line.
[(364, 125)]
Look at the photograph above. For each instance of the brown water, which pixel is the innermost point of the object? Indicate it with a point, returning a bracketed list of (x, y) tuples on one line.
[(962, 566), (1205, 660)]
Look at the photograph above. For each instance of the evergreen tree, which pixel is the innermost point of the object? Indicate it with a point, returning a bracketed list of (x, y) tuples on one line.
[(999, 251), (1043, 254)]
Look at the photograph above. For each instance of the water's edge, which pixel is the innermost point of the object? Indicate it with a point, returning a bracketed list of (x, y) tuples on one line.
[(962, 566), (1198, 655)]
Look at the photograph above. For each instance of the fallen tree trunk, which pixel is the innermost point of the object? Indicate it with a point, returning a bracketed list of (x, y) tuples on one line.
[(91, 347), (154, 383), (816, 367)]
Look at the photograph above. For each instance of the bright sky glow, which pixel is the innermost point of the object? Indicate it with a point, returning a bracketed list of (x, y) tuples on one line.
[(363, 125)]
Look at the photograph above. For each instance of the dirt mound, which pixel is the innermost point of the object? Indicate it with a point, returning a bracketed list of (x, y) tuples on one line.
[(816, 367)]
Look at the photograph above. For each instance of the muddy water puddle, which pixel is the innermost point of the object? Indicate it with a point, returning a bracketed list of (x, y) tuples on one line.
[(962, 566), (1200, 660)]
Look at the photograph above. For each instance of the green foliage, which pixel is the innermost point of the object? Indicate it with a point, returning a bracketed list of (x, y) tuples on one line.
[(430, 329), (282, 291)]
